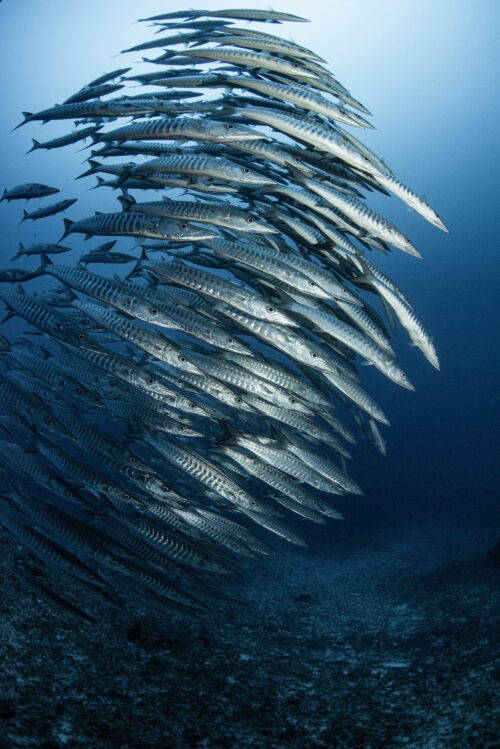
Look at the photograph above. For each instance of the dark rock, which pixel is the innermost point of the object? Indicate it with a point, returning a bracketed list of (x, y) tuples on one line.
[(6, 711), (303, 598), (134, 632), (154, 662), (494, 553)]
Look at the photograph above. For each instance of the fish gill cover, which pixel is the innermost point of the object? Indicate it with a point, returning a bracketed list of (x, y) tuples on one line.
[(160, 426)]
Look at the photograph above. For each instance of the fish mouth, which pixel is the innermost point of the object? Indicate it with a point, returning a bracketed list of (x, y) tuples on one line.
[(280, 318), (439, 224), (406, 384)]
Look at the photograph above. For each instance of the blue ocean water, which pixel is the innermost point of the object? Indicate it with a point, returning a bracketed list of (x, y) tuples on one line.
[(429, 73)]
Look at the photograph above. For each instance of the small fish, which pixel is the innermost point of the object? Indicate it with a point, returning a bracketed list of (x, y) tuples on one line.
[(111, 258), (65, 140), (135, 225), (28, 191), (40, 249), (49, 210)]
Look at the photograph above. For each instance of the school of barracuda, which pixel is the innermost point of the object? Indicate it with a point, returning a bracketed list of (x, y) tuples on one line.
[(159, 420)]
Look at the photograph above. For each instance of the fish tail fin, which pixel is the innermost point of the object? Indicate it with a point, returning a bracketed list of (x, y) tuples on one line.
[(25, 216), (27, 117), (19, 252), (137, 269), (231, 436), (36, 144), (127, 201), (366, 277), (67, 228), (295, 172), (94, 167), (45, 261), (100, 181), (285, 297), (9, 314)]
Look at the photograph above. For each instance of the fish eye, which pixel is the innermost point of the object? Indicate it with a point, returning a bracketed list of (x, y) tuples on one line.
[(81, 391), (184, 226), (85, 321), (311, 283), (250, 220), (126, 496), (229, 340), (229, 126), (132, 459), (150, 380), (113, 384), (271, 309), (182, 359), (192, 405), (314, 354), (292, 400), (49, 422), (153, 311), (246, 170), (82, 337), (182, 428), (238, 400), (69, 494), (165, 489), (114, 563)]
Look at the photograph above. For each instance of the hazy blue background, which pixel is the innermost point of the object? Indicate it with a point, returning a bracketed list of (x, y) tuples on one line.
[(429, 71)]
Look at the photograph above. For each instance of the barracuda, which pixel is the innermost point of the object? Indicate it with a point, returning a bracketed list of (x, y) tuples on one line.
[(152, 410)]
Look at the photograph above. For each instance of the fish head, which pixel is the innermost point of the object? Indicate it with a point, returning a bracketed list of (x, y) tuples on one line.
[(148, 311), (250, 224), (274, 313), (224, 131), (397, 375), (242, 403), (183, 231), (227, 340), (435, 220)]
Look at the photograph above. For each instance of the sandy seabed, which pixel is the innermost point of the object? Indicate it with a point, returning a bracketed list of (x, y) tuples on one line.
[(374, 645)]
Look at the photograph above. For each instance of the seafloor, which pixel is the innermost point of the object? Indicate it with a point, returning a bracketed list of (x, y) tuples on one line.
[(369, 645)]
